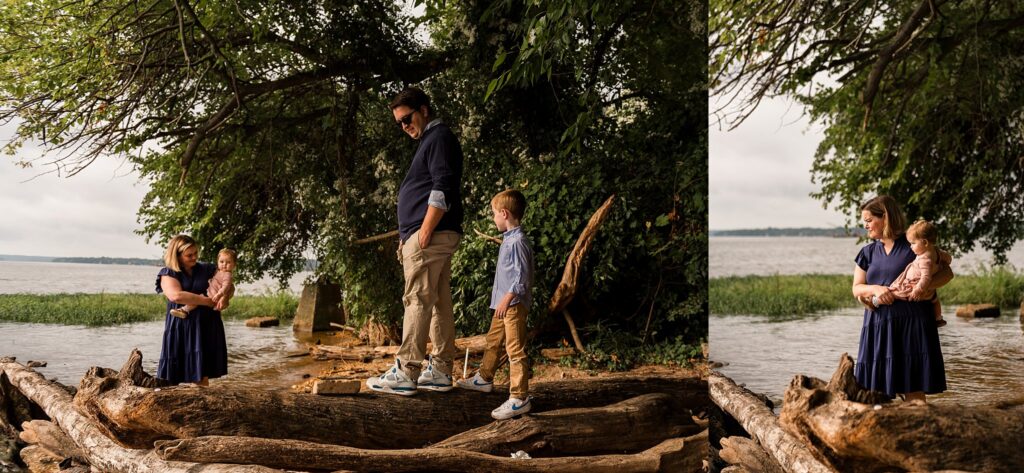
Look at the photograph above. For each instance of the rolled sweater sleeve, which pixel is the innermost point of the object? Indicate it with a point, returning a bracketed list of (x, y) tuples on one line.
[(442, 174)]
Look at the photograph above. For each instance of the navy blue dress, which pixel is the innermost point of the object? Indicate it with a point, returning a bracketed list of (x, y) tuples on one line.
[(194, 347), (899, 343)]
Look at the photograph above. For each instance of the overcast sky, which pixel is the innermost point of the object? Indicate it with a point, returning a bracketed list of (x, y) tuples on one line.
[(760, 172), (90, 214), (759, 177)]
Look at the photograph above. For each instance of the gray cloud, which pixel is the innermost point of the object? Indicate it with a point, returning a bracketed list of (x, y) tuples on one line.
[(90, 214), (760, 172)]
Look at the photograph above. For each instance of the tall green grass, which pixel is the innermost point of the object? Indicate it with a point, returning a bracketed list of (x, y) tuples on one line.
[(798, 295), (778, 295), (111, 309)]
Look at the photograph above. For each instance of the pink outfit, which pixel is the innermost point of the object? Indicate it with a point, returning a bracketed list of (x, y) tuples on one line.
[(221, 286), (914, 280)]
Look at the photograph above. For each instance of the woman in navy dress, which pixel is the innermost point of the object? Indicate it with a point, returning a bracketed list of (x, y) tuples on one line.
[(194, 348), (899, 341)]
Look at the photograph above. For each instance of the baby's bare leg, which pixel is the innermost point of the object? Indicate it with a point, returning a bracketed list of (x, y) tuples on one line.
[(182, 312)]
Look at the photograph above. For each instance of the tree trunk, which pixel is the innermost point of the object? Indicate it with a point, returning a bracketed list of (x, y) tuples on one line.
[(762, 424), (857, 437), (104, 454), (674, 455), (747, 454), (567, 286), (136, 417), (628, 426)]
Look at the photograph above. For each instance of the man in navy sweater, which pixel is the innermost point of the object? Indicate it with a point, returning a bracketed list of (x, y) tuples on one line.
[(429, 228)]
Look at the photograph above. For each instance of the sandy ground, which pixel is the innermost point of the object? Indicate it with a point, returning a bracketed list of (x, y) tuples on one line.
[(298, 371)]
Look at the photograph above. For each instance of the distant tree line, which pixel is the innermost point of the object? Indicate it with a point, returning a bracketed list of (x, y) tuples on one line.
[(800, 231)]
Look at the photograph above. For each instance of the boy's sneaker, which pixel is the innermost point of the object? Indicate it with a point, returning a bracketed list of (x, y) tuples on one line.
[(393, 381), (181, 314), (511, 408), (476, 383), (433, 380)]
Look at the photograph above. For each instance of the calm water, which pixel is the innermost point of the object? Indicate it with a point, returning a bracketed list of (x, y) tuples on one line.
[(738, 256), (984, 358), (49, 278), (71, 350)]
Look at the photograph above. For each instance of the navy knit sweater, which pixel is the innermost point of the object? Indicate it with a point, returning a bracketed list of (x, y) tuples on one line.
[(436, 166)]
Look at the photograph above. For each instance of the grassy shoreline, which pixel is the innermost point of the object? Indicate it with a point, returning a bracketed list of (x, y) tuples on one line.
[(111, 309), (805, 294)]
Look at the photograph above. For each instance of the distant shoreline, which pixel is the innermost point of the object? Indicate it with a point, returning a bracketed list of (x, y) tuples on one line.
[(310, 265), (83, 260), (836, 232)]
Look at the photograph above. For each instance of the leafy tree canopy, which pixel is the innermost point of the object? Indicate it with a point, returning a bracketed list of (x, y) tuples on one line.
[(264, 126), (921, 100)]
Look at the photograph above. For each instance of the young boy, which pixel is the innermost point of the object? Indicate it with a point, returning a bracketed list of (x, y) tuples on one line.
[(221, 288), (510, 299)]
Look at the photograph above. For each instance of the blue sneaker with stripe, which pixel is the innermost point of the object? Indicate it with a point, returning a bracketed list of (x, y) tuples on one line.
[(393, 381), (476, 383), (511, 408)]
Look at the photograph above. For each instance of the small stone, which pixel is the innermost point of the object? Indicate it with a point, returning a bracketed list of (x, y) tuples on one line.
[(977, 310), (35, 364), (306, 375), (262, 322), (336, 386)]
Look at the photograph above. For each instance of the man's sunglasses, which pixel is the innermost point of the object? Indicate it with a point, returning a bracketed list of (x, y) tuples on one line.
[(406, 120)]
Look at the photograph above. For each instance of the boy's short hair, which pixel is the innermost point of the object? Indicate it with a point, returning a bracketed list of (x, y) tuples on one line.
[(511, 200), (228, 251), (413, 98), (924, 230)]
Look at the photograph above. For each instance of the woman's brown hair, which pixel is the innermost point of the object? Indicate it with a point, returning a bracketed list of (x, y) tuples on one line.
[(885, 208), (175, 248)]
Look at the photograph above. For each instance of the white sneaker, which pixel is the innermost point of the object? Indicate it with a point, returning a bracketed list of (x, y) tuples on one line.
[(511, 408), (393, 381), (433, 380), (476, 383)]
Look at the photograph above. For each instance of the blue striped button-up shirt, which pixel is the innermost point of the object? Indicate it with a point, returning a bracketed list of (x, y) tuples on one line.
[(515, 269)]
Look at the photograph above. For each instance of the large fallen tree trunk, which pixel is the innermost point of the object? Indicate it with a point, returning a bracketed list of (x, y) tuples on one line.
[(761, 423), (103, 453), (674, 455), (867, 437), (628, 426), (137, 416)]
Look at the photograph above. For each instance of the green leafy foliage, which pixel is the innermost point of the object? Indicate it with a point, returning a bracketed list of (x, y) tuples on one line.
[(265, 127), (920, 101)]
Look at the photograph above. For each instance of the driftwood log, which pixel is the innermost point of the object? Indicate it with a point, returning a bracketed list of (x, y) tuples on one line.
[(104, 454), (748, 455), (567, 286), (628, 426), (673, 455), (867, 437), (476, 345), (763, 426), (136, 416), (48, 435)]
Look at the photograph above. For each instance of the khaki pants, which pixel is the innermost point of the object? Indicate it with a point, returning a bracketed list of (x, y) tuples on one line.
[(428, 302), (509, 331)]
